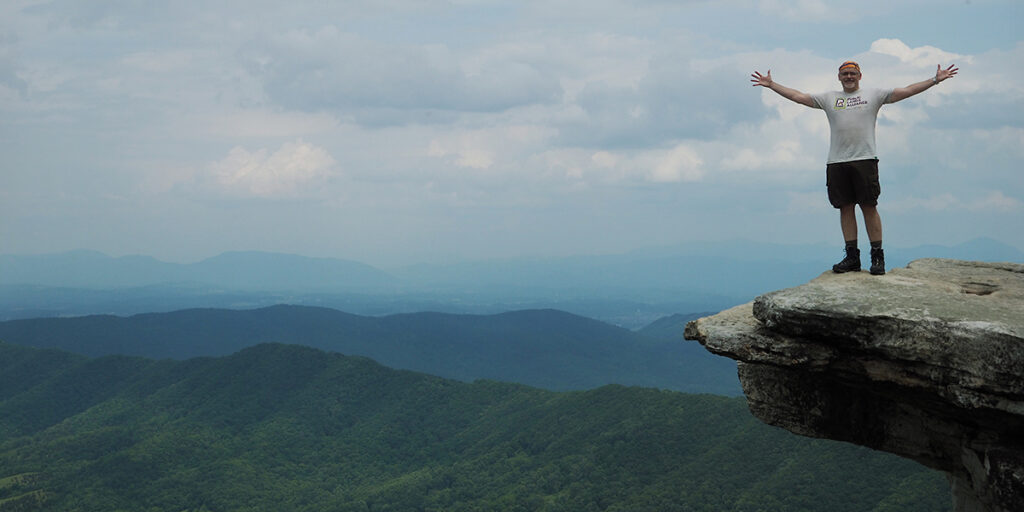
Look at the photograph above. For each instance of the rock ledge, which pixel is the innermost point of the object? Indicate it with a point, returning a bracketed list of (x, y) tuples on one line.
[(926, 362)]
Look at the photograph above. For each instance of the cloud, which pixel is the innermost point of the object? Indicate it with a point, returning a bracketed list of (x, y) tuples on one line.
[(992, 202), (782, 153), (288, 172), (799, 10), (680, 164), (676, 97), (8, 58), (604, 159), (466, 156), (986, 94), (998, 202), (502, 147), (922, 56), (262, 122), (331, 69), (159, 62)]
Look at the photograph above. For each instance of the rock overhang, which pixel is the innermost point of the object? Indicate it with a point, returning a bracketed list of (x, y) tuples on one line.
[(926, 362)]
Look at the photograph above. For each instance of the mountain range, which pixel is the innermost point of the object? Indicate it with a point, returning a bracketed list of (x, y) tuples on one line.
[(544, 348), (630, 289), (232, 270), (699, 267), (282, 427)]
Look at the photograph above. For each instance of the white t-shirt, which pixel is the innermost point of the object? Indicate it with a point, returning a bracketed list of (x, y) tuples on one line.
[(851, 119)]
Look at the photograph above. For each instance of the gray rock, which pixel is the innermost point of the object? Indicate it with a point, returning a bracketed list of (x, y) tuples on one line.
[(926, 362)]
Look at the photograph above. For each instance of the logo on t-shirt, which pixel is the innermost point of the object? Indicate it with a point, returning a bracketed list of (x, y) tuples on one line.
[(843, 103), (855, 101)]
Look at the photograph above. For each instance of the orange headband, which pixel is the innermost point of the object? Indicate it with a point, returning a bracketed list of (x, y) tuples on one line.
[(850, 64)]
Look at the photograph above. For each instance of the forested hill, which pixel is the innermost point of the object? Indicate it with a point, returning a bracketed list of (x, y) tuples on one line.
[(277, 427), (669, 327), (544, 348)]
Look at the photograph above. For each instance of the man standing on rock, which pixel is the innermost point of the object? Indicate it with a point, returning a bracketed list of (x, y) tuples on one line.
[(852, 168)]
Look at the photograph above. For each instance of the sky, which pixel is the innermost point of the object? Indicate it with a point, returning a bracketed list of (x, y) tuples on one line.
[(402, 131)]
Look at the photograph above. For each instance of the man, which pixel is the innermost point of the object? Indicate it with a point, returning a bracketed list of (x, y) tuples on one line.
[(852, 167)]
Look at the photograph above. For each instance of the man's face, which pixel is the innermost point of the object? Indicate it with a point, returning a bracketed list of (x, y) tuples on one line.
[(850, 78)]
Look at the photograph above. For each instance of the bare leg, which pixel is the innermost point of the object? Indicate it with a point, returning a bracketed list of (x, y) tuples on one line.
[(848, 220), (872, 222)]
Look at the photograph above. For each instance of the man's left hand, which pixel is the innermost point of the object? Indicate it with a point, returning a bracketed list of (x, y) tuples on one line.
[(942, 74)]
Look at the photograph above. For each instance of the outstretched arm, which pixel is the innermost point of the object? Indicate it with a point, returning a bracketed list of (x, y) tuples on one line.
[(790, 94), (902, 93)]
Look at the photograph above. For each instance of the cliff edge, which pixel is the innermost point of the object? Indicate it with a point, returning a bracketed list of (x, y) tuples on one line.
[(926, 362)]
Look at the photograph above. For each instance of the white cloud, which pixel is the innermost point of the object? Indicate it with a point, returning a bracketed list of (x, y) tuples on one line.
[(680, 164), (262, 122), (604, 159), (904, 114), (504, 146), (992, 202), (922, 56), (998, 202), (43, 78), (783, 153), (467, 152), (475, 158), (288, 172), (934, 203)]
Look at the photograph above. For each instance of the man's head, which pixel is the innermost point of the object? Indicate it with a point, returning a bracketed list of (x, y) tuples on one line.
[(849, 76)]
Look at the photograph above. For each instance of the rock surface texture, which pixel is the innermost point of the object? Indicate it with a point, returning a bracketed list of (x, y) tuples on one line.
[(926, 362)]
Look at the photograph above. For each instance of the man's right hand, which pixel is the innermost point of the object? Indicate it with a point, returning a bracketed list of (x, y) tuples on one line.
[(790, 94), (762, 80)]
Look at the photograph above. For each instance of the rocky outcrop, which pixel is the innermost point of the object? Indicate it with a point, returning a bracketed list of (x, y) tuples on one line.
[(926, 362)]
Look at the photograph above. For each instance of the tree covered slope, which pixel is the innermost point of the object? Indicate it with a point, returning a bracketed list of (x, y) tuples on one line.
[(280, 427)]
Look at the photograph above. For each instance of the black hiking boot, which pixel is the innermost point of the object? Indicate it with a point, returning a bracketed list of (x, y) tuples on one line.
[(877, 261), (851, 263)]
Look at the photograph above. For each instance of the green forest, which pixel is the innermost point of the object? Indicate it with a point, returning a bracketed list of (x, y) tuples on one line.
[(282, 427)]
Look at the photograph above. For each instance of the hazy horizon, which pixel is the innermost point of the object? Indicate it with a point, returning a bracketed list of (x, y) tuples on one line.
[(411, 132), (694, 247)]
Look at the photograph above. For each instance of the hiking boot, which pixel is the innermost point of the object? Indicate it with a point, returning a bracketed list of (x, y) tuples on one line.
[(851, 263), (877, 261)]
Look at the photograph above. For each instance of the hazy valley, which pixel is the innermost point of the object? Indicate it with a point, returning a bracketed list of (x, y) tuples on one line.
[(256, 381)]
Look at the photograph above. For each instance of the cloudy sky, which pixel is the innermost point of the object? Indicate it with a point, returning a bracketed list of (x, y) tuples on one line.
[(398, 131)]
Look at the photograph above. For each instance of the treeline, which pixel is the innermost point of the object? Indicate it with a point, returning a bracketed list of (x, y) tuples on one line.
[(280, 427)]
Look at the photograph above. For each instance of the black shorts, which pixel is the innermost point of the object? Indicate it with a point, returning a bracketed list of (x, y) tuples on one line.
[(853, 183)]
